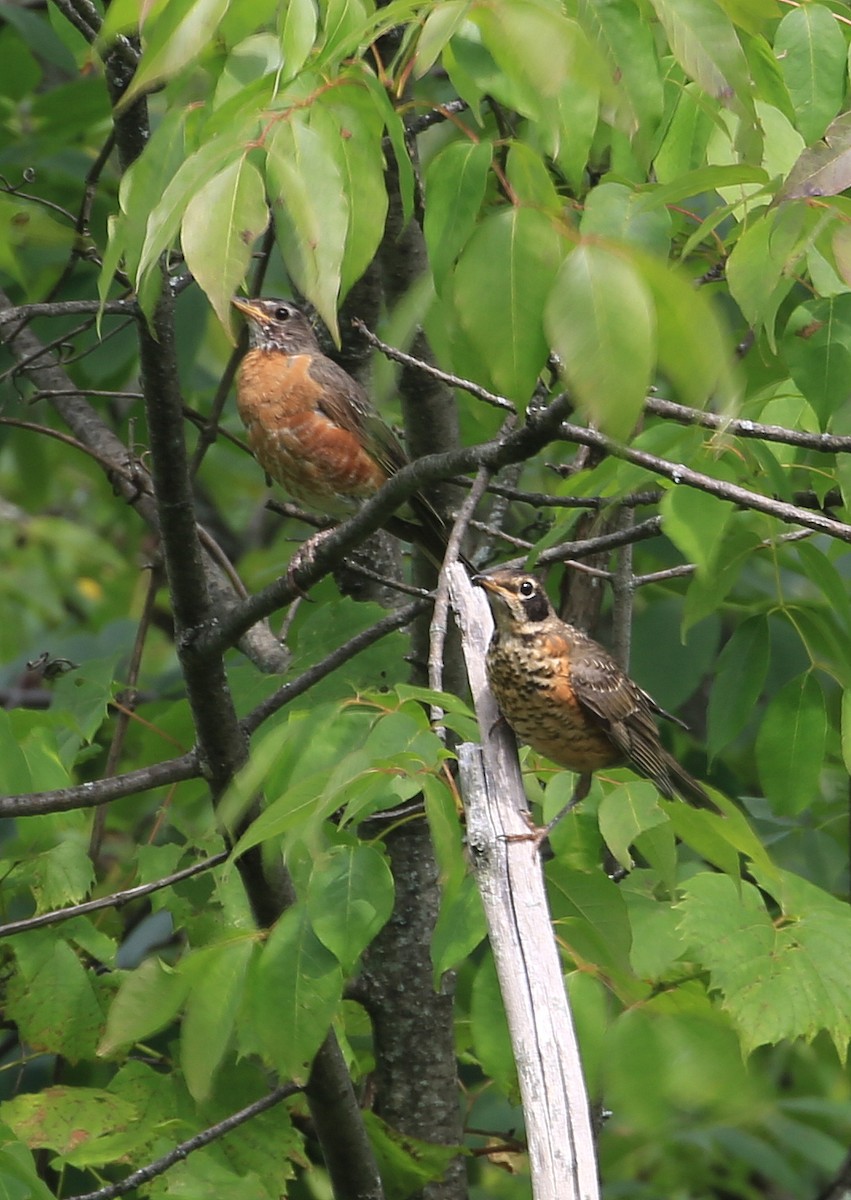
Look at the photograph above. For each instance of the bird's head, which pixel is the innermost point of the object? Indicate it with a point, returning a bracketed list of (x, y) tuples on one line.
[(516, 599), (277, 325)]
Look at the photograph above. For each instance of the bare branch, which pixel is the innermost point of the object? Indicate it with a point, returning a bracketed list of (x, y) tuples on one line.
[(284, 695), (101, 791), (160, 1165), (681, 474), (826, 443), (420, 364), (440, 616), (115, 900)]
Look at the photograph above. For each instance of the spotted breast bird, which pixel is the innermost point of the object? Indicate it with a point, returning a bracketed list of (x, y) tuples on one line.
[(565, 695), (313, 428)]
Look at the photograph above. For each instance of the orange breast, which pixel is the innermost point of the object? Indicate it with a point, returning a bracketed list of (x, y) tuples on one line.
[(317, 461)]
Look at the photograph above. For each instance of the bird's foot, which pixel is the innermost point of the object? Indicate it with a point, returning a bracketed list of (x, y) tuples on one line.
[(539, 834)]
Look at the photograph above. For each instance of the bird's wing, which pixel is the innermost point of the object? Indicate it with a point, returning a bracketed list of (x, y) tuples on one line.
[(622, 709), (347, 404)]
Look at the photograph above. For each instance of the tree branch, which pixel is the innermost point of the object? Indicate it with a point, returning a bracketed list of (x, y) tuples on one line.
[(101, 791), (518, 445), (115, 900), (826, 443), (160, 1165), (681, 474)]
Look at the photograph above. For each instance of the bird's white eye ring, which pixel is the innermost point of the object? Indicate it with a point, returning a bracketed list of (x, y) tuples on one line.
[(282, 314), (527, 588)]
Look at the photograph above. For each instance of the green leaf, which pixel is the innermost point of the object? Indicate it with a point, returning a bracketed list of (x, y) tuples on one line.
[(704, 43), (194, 172), (778, 980), (217, 975), (489, 1029), (440, 24), (790, 745), (535, 46), (825, 579), (739, 675), (297, 22), (718, 841), (141, 189), (696, 523), (845, 730), (811, 51), (601, 323), (656, 940), (816, 346), (311, 211), (246, 67), (349, 899), (405, 1163), (626, 812), (293, 992), (353, 128), (61, 875), (614, 211), (758, 279), (397, 134), (148, 1000), (695, 183), (220, 226), (674, 1063), (344, 24), (455, 184), (52, 1000), (182, 31), (501, 283), (19, 1178), (626, 39), (683, 147), (590, 918), (460, 926), (68, 1120), (15, 777), (84, 695)]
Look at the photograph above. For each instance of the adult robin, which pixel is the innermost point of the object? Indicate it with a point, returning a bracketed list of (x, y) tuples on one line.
[(565, 695), (313, 428)]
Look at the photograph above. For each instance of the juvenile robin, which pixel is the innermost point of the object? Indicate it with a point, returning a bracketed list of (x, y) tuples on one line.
[(565, 695), (314, 429)]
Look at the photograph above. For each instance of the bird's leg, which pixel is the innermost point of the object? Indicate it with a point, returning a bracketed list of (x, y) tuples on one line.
[(581, 789), (539, 833)]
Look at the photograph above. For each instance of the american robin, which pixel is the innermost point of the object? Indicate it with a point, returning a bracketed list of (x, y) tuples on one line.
[(565, 695), (314, 429)]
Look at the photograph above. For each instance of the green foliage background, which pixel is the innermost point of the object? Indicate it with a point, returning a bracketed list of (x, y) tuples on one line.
[(655, 193)]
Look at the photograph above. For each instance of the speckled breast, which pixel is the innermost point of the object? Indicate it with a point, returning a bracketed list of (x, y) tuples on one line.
[(533, 692)]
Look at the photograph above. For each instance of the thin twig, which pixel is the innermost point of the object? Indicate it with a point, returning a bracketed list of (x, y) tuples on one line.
[(101, 791), (286, 694), (160, 1165), (623, 593), (125, 712), (440, 615), (826, 443), (115, 900), (408, 360)]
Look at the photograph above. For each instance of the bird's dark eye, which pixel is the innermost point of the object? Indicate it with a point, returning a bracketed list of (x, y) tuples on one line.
[(527, 588), (282, 314)]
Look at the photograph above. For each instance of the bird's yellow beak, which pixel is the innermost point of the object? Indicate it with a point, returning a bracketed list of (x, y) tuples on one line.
[(486, 582), (246, 307)]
